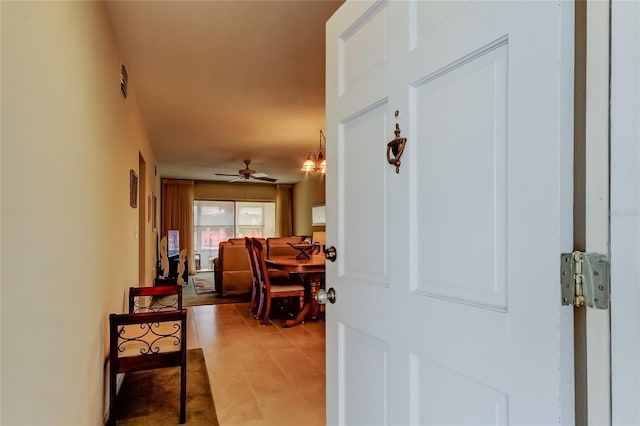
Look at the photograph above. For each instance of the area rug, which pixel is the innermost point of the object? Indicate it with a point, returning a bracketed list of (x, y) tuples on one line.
[(200, 291), (203, 285), (153, 397)]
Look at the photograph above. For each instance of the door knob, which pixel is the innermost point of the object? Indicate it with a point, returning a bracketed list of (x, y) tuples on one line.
[(330, 253), (323, 295)]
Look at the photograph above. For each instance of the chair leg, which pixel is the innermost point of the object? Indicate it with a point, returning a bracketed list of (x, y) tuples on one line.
[(112, 398), (183, 393), (254, 302), (267, 310), (260, 306)]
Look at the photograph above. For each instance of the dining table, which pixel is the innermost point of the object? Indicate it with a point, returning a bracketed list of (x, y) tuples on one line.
[(311, 271)]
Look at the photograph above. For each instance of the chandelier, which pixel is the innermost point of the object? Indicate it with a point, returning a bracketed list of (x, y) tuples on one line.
[(316, 162)]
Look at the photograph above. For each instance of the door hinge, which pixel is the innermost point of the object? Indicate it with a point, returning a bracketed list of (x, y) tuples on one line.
[(585, 279)]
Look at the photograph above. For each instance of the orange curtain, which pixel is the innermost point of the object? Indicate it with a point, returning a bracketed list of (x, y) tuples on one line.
[(284, 210), (177, 213)]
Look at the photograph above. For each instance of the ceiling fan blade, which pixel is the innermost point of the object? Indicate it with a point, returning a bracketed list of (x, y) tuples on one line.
[(236, 179), (226, 174), (267, 179), (257, 175)]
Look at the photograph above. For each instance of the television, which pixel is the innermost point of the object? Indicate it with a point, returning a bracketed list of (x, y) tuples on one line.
[(173, 243)]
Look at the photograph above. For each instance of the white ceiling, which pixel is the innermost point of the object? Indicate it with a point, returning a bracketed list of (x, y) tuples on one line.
[(219, 82)]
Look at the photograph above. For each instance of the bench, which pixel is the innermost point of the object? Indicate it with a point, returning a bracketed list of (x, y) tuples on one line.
[(152, 335)]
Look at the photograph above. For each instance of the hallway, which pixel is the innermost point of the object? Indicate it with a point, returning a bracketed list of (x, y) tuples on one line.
[(260, 376)]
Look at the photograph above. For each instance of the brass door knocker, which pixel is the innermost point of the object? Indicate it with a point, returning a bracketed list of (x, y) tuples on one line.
[(396, 147)]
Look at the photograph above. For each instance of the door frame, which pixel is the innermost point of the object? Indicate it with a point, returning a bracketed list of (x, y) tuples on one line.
[(141, 233), (591, 205)]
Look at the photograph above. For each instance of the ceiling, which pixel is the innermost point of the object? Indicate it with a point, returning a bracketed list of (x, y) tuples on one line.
[(218, 82)]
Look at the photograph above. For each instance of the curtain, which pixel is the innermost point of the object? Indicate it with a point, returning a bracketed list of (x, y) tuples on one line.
[(177, 213), (284, 210)]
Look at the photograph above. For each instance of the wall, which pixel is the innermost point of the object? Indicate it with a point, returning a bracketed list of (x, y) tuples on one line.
[(309, 192), (224, 191), (68, 142)]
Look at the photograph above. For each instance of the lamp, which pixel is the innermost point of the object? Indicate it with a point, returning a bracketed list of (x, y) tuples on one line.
[(316, 163)]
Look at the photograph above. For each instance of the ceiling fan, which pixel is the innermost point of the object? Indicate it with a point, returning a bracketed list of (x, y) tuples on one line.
[(247, 173)]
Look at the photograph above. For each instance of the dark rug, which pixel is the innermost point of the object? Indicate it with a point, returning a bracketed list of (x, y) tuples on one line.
[(153, 397)]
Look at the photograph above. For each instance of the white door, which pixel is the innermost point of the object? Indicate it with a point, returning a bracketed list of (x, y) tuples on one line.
[(447, 273), (625, 213)]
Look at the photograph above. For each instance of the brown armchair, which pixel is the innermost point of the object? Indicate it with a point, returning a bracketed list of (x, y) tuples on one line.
[(232, 270), (279, 246)]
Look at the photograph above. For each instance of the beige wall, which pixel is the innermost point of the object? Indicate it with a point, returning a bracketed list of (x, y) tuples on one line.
[(309, 192), (68, 142), (224, 191)]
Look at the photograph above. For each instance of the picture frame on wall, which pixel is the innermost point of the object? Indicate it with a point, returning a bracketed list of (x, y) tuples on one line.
[(318, 215), (133, 189)]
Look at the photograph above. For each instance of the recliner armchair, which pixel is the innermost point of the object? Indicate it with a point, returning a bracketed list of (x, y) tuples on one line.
[(279, 246), (232, 269)]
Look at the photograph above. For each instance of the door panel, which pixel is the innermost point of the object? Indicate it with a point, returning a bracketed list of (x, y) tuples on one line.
[(447, 279), (431, 14), (363, 212), (363, 49), (362, 59), (434, 386), (363, 362), (470, 210)]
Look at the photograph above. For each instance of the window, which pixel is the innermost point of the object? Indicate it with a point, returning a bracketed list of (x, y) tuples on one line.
[(217, 221)]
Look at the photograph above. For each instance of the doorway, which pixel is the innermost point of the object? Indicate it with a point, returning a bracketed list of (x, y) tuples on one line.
[(142, 219)]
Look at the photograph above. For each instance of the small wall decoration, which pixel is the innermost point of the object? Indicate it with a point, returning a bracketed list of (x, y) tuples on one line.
[(318, 215), (133, 189), (154, 203)]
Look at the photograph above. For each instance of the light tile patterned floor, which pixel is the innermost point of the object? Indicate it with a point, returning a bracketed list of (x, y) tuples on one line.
[(261, 376)]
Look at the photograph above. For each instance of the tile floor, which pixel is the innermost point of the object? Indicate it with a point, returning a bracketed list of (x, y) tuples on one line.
[(260, 376)]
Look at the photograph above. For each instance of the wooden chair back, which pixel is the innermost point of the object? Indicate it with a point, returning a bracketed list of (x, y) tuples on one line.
[(155, 299), (266, 290), (148, 337), (255, 271)]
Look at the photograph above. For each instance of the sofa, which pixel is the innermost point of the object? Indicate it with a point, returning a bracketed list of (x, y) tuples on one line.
[(232, 270)]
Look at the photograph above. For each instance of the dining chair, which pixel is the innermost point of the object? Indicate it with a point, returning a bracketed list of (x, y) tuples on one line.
[(265, 290), (255, 287)]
